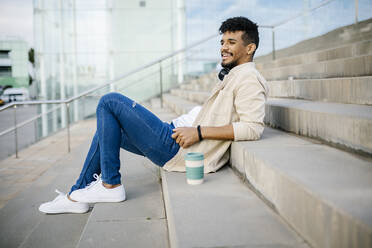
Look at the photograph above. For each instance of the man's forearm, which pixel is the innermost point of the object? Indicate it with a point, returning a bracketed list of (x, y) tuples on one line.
[(218, 133)]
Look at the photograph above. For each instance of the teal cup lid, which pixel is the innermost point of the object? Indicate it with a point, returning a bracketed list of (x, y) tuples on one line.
[(194, 156)]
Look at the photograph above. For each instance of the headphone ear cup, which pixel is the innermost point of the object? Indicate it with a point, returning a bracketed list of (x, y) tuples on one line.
[(223, 72)]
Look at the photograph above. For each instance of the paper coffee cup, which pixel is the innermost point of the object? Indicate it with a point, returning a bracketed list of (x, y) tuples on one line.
[(194, 168)]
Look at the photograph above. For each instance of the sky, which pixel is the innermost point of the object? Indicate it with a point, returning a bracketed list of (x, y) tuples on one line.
[(203, 16), (16, 16), (16, 19)]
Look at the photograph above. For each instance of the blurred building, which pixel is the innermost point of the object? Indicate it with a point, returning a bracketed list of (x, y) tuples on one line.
[(13, 62), (80, 44)]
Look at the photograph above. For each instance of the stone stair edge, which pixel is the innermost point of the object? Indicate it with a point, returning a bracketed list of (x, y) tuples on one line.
[(298, 113), (317, 52), (271, 99), (322, 90), (321, 79), (332, 38), (347, 132), (304, 104), (320, 62)]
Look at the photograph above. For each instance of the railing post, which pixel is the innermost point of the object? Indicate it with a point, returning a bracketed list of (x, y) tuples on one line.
[(161, 84), (83, 103), (68, 126), (15, 131), (273, 41), (356, 11)]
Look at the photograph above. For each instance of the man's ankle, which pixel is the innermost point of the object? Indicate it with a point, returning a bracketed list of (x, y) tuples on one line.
[(68, 197), (110, 186)]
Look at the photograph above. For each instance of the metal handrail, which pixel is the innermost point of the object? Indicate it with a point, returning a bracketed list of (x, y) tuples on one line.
[(28, 121), (302, 13), (157, 61), (272, 27), (86, 93)]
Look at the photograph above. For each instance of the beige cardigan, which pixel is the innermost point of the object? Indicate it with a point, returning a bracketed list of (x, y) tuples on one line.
[(239, 99)]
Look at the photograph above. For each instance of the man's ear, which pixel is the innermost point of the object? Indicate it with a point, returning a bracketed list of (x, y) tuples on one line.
[(251, 47)]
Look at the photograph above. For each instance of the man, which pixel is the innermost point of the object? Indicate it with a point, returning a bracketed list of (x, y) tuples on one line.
[(234, 111)]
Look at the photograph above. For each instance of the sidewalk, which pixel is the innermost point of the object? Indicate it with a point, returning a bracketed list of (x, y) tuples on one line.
[(18, 174), (47, 166)]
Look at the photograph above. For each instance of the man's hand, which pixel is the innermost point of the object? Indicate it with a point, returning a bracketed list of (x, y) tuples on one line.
[(185, 136)]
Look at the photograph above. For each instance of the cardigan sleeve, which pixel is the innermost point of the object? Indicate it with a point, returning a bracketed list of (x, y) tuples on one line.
[(249, 104)]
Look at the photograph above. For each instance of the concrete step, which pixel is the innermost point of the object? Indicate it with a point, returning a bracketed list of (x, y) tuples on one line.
[(191, 95), (335, 38), (323, 193), (353, 90), (345, 51), (178, 105), (139, 221), (345, 67), (346, 125), (196, 86), (221, 212), (204, 83)]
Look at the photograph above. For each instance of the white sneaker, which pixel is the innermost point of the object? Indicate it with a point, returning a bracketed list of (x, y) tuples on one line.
[(96, 192), (61, 204)]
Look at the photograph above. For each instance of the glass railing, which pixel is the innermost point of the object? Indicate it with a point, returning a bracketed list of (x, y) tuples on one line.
[(27, 122), (317, 19)]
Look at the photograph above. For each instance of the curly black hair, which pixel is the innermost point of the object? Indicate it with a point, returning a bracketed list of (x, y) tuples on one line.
[(241, 23)]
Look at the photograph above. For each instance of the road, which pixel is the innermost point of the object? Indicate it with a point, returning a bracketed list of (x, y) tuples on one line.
[(26, 135)]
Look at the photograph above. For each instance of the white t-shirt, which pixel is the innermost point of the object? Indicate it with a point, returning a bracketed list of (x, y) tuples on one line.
[(187, 120)]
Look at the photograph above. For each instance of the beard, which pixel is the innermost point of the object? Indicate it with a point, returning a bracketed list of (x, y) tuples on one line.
[(230, 65)]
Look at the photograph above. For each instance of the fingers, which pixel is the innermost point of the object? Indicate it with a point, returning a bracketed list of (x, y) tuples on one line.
[(185, 145), (182, 137), (175, 133), (178, 140)]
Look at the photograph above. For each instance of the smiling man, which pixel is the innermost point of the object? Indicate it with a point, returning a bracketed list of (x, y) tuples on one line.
[(234, 111), (236, 108)]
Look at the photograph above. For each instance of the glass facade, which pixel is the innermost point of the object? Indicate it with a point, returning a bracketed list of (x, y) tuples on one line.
[(80, 44)]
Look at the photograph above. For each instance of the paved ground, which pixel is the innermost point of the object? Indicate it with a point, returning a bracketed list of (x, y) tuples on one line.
[(18, 174), (45, 166)]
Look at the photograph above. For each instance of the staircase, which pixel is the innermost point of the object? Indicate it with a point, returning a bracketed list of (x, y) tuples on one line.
[(312, 166)]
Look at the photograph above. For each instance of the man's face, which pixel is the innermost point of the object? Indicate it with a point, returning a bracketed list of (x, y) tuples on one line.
[(233, 50)]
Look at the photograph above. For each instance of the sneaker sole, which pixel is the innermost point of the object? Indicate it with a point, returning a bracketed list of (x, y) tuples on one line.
[(66, 212), (101, 200)]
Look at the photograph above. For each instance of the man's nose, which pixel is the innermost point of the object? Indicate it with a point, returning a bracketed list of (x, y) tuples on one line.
[(223, 47)]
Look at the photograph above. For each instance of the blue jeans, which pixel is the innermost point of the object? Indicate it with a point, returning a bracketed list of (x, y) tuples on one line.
[(123, 123)]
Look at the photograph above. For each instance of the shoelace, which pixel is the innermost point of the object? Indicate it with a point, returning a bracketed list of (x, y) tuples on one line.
[(91, 184)]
